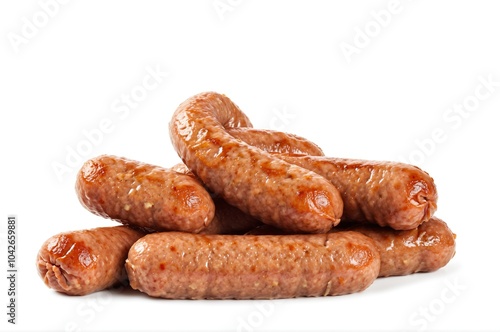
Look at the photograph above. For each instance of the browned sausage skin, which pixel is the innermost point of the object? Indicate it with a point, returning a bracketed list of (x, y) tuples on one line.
[(424, 249), (83, 262), (275, 141), (276, 192), (228, 219), (391, 194), (143, 195), (193, 266)]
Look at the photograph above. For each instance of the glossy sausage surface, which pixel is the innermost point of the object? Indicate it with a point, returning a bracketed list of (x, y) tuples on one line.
[(397, 195), (193, 266), (87, 261), (143, 195), (269, 189)]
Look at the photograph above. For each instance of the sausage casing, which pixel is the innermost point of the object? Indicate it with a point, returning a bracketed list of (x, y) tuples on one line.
[(275, 141), (424, 249), (269, 189), (83, 262), (193, 266), (397, 195), (143, 195)]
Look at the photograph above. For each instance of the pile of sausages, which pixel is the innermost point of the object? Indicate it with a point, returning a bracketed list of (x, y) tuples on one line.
[(249, 214)]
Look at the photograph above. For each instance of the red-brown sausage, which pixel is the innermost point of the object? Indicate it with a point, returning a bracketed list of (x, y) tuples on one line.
[(424, 249), (193, 266), (143, 195), (276, 192), (275, 141), (83, 262), (228, 219), (391, 194)]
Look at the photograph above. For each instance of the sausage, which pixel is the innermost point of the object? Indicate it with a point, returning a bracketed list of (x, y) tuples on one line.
[(424, 249), (83, 262), (227, 219), (275, 141), (143, 195), (392, 194), (192, 266), (271, 190)]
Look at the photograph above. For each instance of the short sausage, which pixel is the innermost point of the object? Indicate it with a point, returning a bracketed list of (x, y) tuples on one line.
[(83, 262), (392, 194), (269, 189), (193, 266), (143, 195), (424, 249)]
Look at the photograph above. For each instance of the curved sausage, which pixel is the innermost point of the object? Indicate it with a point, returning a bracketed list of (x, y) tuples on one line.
[(390, 194), (397, 195), (259, 184), (193, 266), (143, 195), (83, 262), (424, 249)]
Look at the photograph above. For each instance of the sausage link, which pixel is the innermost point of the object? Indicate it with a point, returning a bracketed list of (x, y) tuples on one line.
[(275, 141), (424, 249), (193, 266), (259, 184), (143, 195), (391, 194), (228, 219), (83, 262)]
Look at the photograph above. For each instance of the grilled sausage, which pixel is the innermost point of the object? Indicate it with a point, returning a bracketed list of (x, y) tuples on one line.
[(228, 219), (143, 195), (275, 141), (424, 249), (397, 195), (83, 262), (193, 266), (259, 184)]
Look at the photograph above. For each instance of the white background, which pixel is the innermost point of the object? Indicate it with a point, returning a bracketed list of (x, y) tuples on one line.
[(282, 63)]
